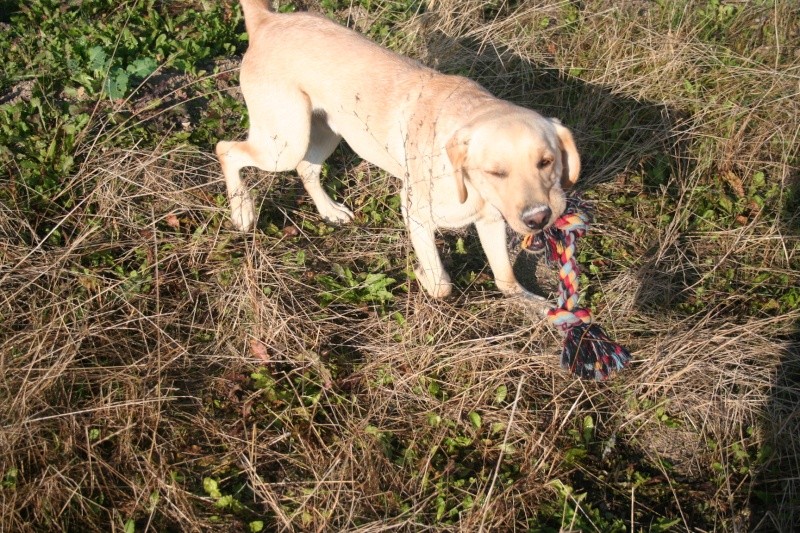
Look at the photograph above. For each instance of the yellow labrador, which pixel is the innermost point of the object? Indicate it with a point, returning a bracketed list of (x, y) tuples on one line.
[(463, 155)]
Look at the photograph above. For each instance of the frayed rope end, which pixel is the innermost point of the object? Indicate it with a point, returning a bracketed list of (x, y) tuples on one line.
[(590, 354)]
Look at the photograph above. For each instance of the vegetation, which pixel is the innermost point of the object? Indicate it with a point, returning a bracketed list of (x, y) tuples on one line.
[(161, 371)]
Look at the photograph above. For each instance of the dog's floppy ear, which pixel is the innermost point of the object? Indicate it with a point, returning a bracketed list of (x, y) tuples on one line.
[(570, 160), (457, 152)]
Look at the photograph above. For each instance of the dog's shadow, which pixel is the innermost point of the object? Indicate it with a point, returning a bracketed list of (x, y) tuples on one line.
[(617, 136)]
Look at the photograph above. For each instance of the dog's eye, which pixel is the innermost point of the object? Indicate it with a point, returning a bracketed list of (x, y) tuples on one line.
[(497, 173), (545, 163)]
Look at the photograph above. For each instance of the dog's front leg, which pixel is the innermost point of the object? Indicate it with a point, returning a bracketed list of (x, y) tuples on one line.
[(492, 234), (430, 272)]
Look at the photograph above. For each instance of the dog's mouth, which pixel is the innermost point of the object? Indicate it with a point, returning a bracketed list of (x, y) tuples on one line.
[(545, 239), (533, 242)]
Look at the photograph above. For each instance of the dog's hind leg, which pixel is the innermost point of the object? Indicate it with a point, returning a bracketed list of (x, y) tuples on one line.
[(322, 143), (280, 127)]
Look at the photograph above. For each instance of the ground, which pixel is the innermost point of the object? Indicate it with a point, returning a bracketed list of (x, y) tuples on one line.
[(161, 371)]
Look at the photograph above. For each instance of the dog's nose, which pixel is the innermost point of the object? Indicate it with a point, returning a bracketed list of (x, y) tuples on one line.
[(537, 219)]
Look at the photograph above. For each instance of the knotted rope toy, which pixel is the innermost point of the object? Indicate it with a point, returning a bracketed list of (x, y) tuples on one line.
[(588, 352)]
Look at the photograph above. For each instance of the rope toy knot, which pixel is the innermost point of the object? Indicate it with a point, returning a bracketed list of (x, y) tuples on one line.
[(588, 352)]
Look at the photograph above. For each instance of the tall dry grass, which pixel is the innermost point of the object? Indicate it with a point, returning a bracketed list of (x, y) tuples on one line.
[(122, 392)]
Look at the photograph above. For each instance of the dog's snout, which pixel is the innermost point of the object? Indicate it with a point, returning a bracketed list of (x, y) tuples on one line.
[(538, 218)]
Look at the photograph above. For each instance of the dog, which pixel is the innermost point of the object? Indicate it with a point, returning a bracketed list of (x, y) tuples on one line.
[(463, 156)]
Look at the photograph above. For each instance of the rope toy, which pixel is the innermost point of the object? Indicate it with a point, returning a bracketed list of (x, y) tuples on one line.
[(588, 352)]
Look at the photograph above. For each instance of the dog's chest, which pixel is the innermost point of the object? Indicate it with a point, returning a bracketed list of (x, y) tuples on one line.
[(449, 213)]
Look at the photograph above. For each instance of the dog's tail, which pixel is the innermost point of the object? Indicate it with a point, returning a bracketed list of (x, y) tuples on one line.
[(255, 12)]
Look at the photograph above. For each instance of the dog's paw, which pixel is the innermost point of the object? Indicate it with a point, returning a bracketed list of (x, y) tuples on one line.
[(242, 211), (531, 298), (535, 303), (437, 286), (515, 290), (336, 213)]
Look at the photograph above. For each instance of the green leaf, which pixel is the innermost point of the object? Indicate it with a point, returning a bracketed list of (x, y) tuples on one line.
[(211, 487), (507, 448), (726, 204), (497, 428), (441, 507), (475, 419), (117, 83), (563, 490), (97, 58), (256, 526), (10, 478), (573, 455), (130, 526), (588, 428), (454, 443), (141, 68), (399, 318), (155, 497), (500, 394), (225, 501), (665, 524)]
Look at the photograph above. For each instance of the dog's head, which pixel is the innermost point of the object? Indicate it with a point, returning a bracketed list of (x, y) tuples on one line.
[(519, 162)]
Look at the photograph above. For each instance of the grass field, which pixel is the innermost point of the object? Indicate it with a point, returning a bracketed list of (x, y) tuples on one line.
[(162, 372)]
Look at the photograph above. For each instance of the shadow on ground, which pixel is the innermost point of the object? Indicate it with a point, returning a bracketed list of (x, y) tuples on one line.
[(776, 495), (619, 137)]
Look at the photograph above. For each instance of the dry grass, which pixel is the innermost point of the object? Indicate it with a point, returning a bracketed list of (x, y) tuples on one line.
[(122, 392)]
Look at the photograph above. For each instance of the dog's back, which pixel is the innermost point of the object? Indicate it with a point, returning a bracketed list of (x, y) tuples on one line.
[(363, 90)]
